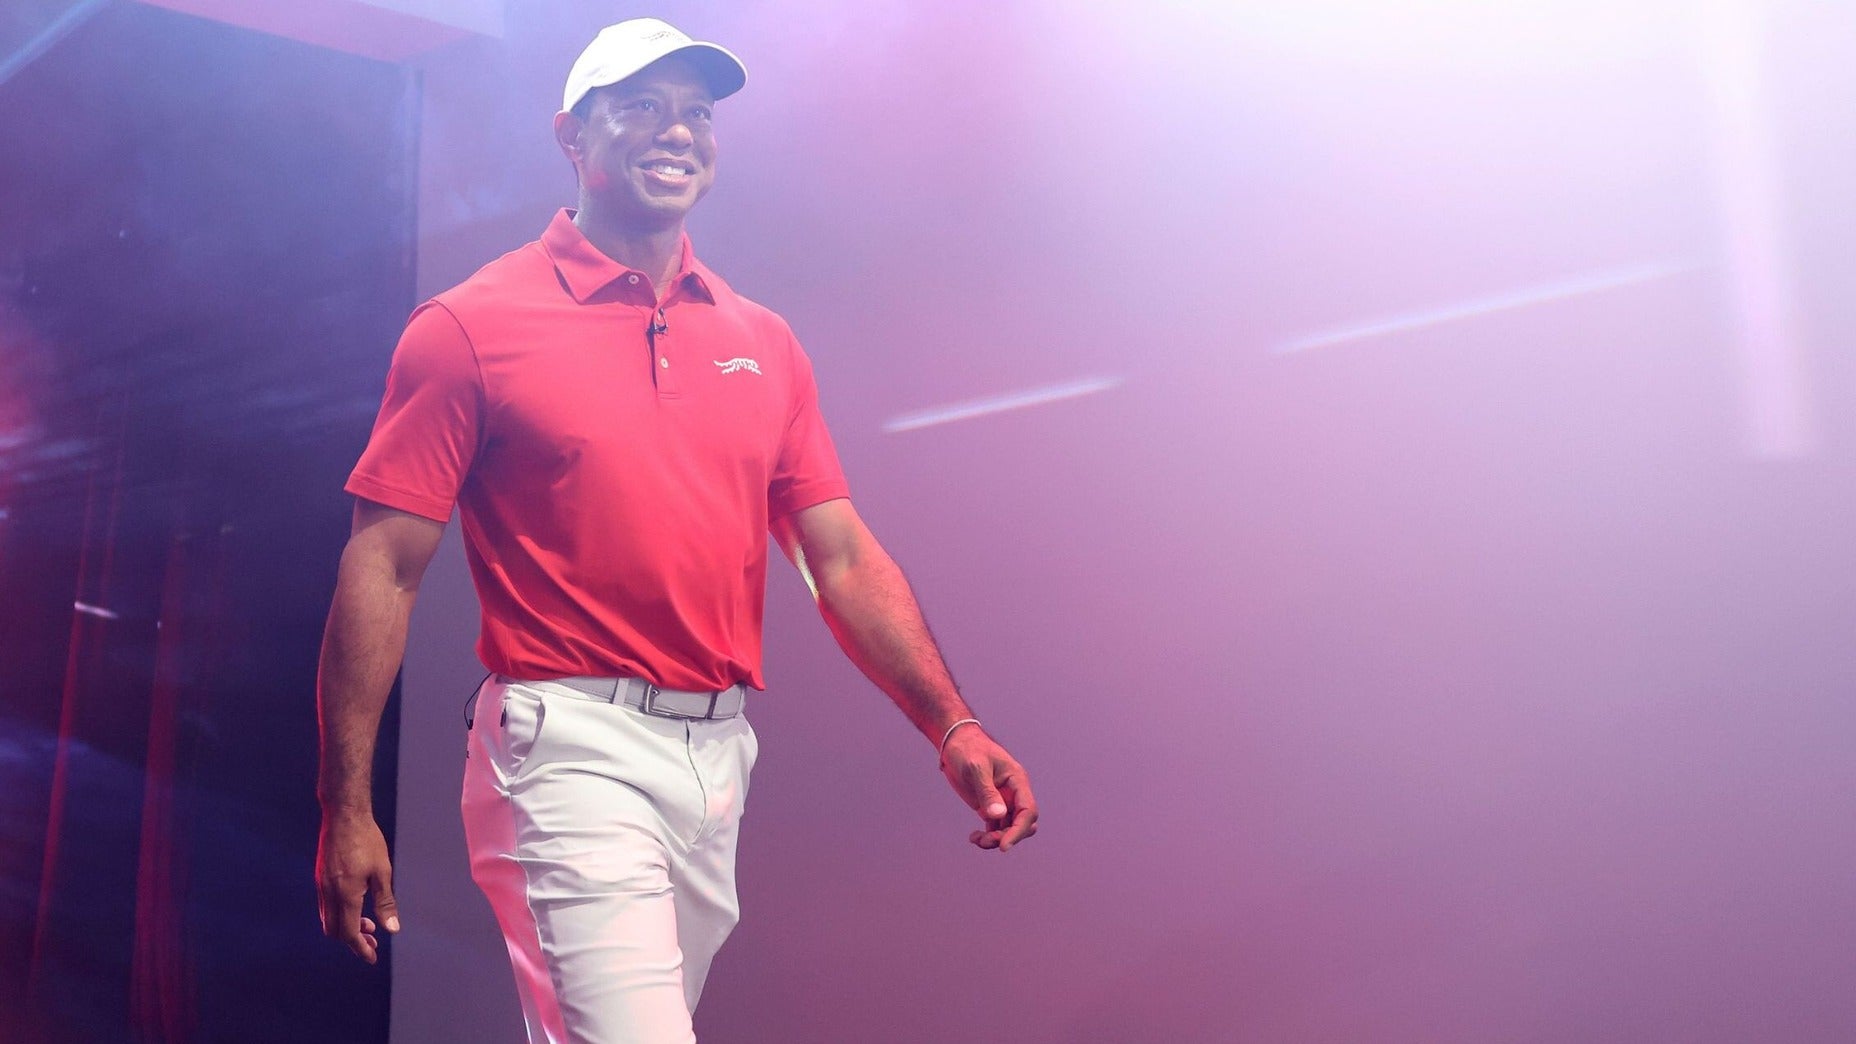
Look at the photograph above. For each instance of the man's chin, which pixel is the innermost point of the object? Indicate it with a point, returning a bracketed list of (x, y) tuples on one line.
[(660, 197), (650, 214)]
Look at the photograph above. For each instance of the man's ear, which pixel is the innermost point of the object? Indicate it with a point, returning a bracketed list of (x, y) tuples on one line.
[(567, 132)]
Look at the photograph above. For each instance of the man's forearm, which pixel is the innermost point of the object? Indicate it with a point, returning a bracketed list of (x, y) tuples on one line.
[(361, 650), (872, 612)]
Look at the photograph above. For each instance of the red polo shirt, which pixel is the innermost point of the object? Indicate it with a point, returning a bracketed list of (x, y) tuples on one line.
[(615, 473)]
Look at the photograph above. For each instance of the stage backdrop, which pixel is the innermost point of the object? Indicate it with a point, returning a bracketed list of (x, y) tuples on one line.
[(1417, 570), (206, 235)]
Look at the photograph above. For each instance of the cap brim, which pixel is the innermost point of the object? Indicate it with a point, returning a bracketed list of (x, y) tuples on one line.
[(718, 65)]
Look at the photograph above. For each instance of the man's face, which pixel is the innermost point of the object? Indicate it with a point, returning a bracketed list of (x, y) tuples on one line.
[(647, 146)]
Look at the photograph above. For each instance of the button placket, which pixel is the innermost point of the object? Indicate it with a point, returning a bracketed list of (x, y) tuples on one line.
[(658, 334)]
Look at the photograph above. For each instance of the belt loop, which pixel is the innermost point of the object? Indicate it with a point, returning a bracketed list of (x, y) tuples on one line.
[(710, 716)]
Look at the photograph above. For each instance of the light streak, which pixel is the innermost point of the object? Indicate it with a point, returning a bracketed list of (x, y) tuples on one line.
[(96, 610), (1576, 286), (1776, 401), (960, 411), (46, 37)]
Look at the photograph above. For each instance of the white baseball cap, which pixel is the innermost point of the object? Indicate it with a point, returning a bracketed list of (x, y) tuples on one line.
[(623, 49)]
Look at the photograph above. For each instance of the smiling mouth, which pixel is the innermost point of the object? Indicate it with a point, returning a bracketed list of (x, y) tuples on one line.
[(668, 169)]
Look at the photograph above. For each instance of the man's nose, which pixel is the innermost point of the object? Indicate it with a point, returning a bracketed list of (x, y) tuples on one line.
[(676, 134)]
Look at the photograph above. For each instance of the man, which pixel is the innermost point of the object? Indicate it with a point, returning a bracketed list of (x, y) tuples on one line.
[(619, 430)]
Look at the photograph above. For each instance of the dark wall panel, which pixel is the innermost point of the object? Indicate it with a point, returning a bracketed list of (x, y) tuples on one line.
[(206, 239)]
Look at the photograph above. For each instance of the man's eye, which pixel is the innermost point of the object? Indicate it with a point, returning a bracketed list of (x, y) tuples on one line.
[(700, 114), (642, 104)]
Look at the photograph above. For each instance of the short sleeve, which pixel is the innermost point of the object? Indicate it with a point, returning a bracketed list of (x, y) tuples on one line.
[(807, 471), (426, 434)]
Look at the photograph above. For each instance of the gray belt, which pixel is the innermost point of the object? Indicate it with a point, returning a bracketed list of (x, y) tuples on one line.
[(642, 696)]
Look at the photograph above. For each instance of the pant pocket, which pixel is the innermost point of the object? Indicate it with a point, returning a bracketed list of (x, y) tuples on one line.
[(520, 720)]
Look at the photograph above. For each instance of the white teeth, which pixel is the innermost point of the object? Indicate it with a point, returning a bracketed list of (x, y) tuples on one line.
[(666, 168)]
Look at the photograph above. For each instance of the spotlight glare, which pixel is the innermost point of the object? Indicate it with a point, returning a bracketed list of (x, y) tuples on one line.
[(999, 404)]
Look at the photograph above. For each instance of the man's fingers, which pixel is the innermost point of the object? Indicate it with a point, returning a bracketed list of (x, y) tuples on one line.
[(352, 865), (973, 781), (1023, 825), (360, 936), (329, 907), (341, 913), (386, 908), (986, 799), (1018, 788), (356, 932), (1024, 820), (340, 908)]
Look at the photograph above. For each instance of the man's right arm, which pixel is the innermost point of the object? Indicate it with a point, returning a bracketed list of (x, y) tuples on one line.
[(362, 645)]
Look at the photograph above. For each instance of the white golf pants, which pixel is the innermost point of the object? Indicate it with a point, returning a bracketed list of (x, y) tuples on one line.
[(604, 839)]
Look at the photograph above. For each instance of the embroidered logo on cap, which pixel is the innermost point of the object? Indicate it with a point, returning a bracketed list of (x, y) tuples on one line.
[(739, 363)]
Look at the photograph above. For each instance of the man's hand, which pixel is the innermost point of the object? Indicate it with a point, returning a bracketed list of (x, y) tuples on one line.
[(994, 785), (351, 863)]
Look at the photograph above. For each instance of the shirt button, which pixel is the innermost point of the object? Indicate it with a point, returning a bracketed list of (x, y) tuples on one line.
[(632, 279), (665, 363)]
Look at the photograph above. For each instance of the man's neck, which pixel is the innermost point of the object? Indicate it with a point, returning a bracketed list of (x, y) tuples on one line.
[(658, 253)]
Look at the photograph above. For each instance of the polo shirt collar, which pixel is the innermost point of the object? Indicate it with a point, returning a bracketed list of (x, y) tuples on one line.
[(586, 271)]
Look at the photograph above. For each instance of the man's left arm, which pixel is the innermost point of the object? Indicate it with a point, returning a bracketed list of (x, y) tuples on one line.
[(871, 610)]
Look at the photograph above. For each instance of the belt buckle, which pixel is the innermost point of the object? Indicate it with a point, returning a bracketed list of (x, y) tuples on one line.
[(649, 706)]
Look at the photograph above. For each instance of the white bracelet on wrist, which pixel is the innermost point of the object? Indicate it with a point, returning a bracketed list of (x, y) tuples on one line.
[(949, 734)]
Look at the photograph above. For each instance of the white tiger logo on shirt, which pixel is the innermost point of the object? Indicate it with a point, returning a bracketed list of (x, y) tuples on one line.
[(739, 363)]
